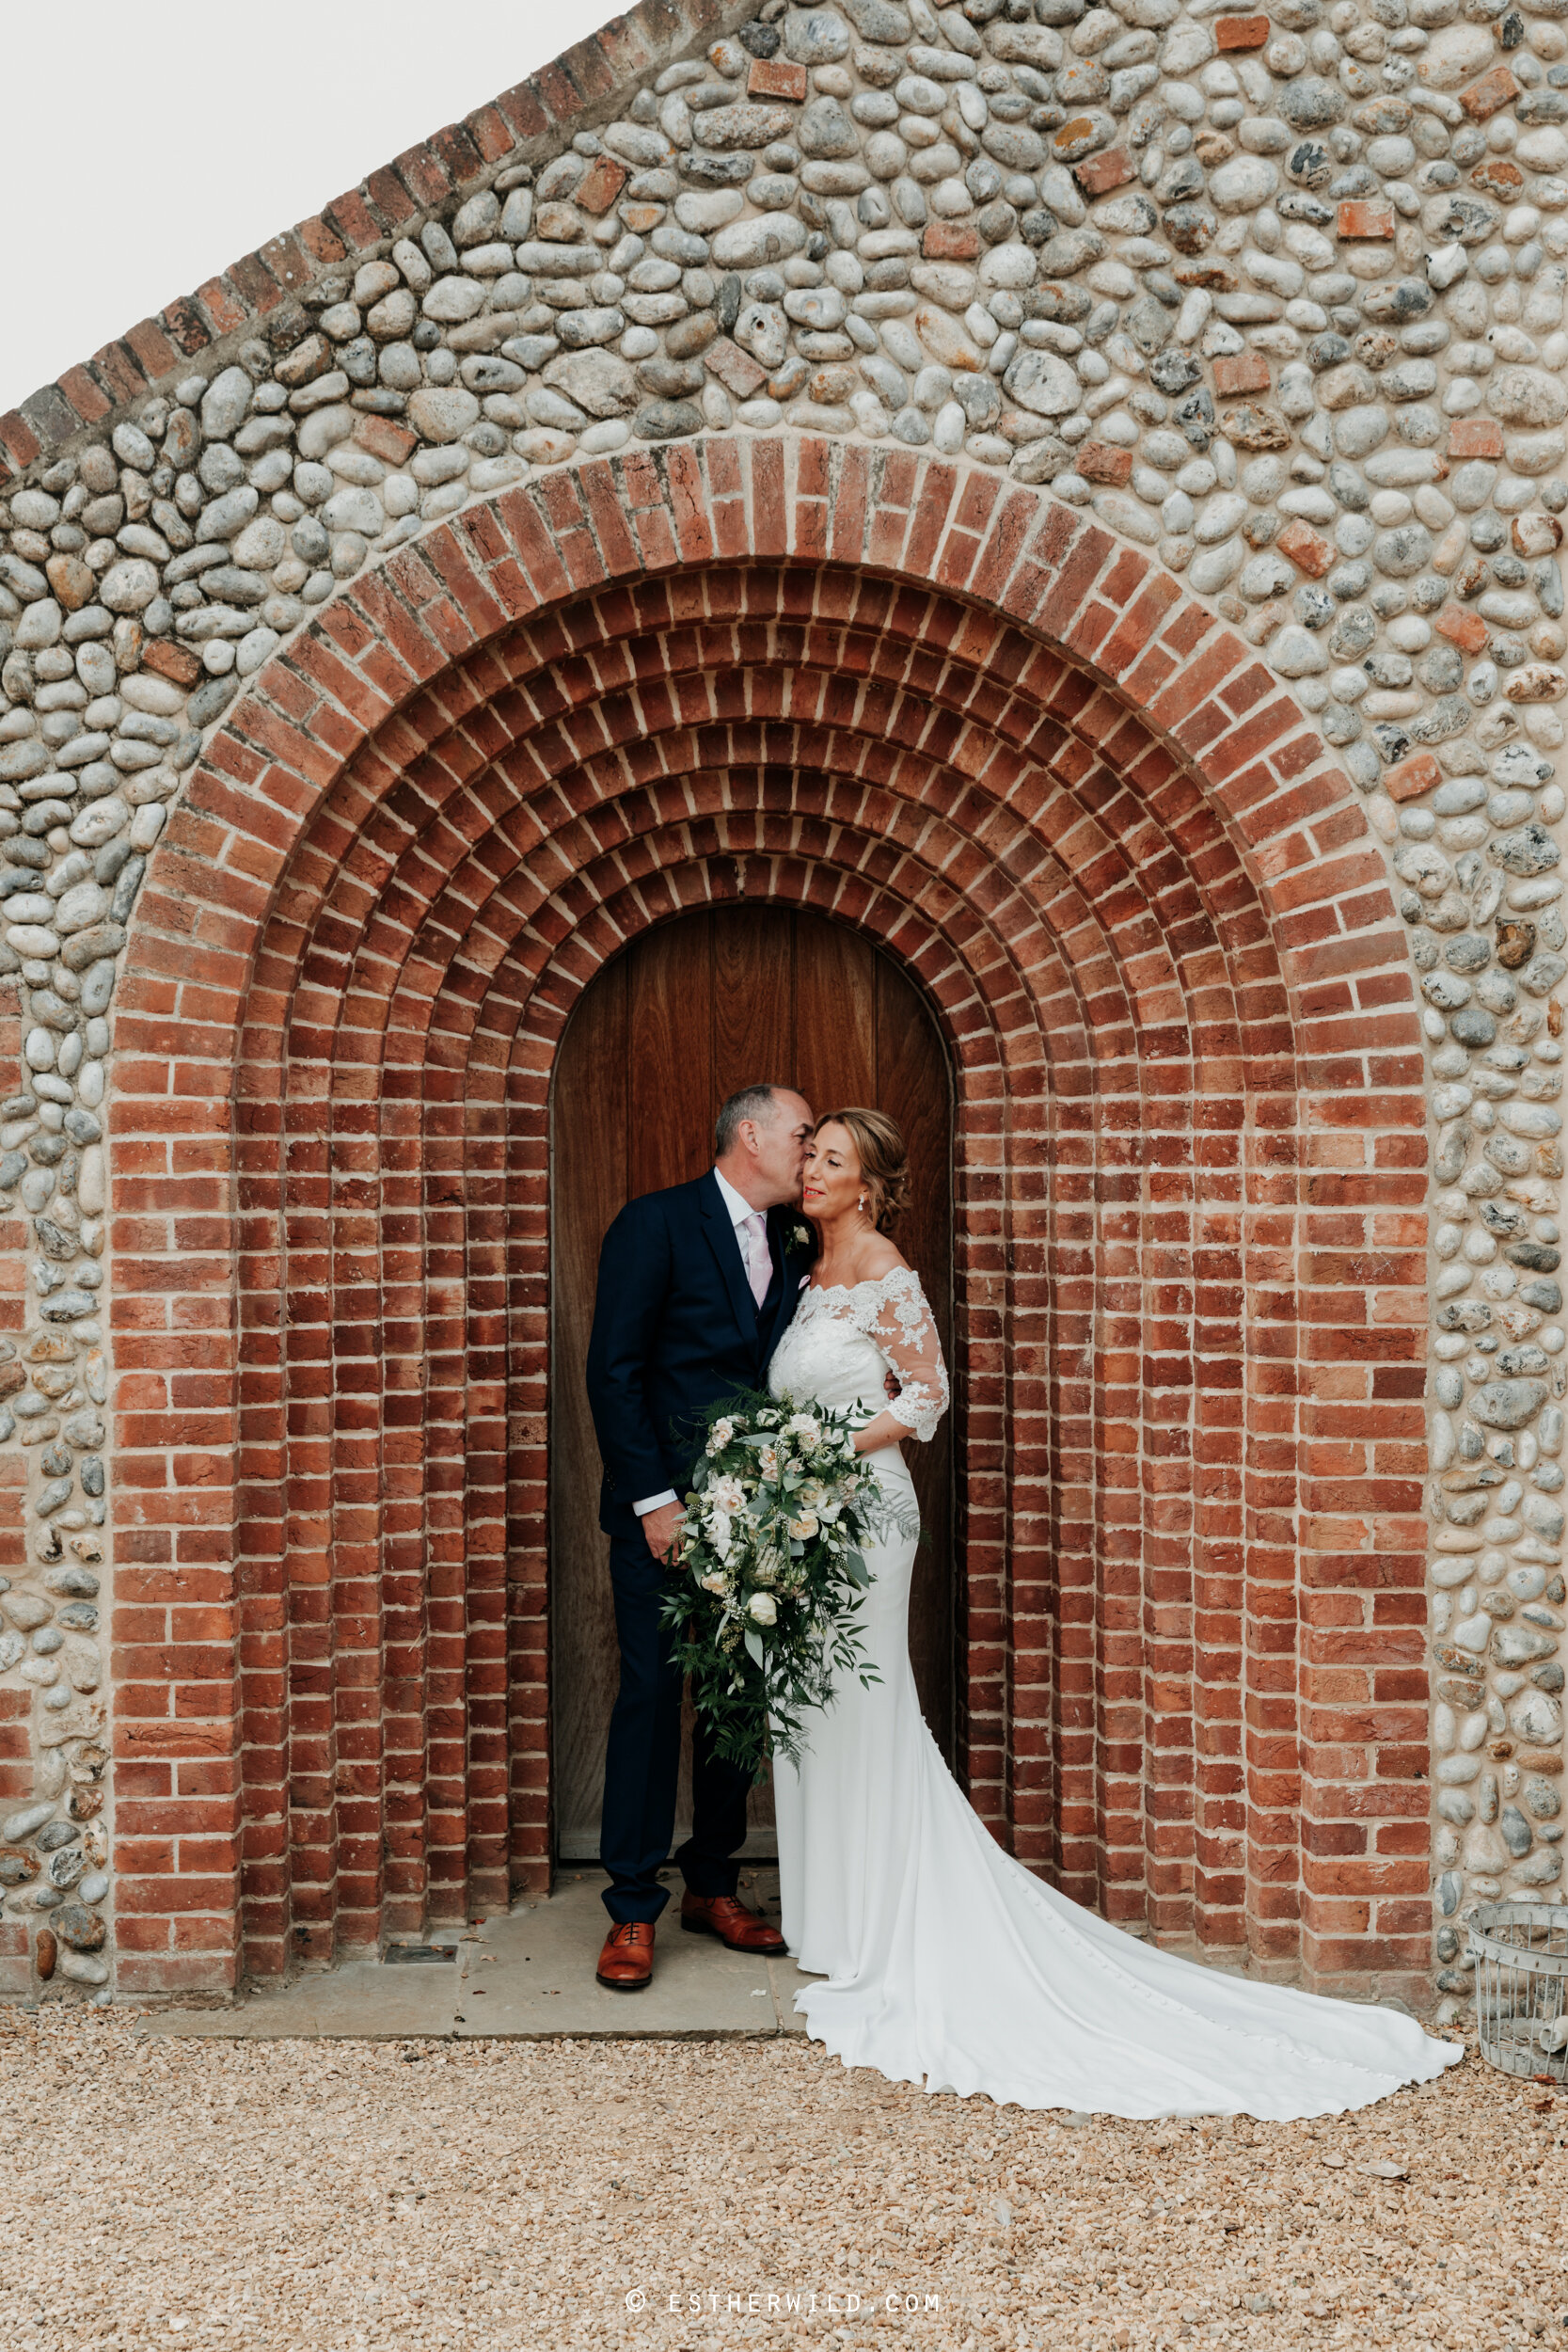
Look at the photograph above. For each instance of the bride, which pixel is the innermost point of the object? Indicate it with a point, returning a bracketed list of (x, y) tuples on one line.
[(944, 1961)]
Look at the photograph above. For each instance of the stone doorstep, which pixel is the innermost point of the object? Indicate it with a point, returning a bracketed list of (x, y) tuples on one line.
[(526, 1976)]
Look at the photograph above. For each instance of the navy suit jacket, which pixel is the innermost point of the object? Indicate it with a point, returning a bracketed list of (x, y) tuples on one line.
[(675, 1327)]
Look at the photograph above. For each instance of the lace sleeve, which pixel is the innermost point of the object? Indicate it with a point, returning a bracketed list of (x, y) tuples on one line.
[(903, 1328)]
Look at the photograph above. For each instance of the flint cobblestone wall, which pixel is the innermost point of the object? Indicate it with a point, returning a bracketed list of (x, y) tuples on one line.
[(1275, 301)]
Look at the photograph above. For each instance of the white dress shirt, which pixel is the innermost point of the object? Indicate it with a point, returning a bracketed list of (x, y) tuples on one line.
[(740, 1209)]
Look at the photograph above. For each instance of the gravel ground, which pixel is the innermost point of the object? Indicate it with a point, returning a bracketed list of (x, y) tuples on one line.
[(161, 2192)]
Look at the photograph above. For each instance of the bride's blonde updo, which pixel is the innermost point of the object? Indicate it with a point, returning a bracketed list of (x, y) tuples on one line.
[(884, 1161)]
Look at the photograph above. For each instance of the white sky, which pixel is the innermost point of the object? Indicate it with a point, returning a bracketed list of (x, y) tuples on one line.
[(146, 148)]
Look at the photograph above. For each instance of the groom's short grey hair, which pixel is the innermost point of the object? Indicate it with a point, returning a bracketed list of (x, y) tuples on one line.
[(754, 1102)]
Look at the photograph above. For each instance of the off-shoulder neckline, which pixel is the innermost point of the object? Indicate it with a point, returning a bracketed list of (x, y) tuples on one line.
[(847, 1290)]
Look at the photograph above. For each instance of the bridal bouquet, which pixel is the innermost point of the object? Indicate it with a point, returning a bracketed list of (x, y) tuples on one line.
[(770, 1573)]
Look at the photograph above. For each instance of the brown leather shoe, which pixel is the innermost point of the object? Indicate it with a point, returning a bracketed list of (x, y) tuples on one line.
[(737, 1929), (627, 1960)]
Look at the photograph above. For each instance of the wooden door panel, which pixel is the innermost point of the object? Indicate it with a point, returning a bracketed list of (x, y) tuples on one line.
[(670, 1050), (754, 1001), (692, 1010), (835, 1016)]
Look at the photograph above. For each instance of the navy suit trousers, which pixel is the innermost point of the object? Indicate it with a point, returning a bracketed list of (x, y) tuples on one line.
[(644, 1757)]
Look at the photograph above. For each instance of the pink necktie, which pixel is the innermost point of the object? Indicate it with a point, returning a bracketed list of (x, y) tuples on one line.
[(759, 1268)]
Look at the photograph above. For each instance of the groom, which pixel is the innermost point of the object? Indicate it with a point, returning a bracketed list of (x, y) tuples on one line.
[(696, 1287)]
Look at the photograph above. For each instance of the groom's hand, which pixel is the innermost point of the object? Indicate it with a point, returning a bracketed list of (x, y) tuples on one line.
[(662, 1527)]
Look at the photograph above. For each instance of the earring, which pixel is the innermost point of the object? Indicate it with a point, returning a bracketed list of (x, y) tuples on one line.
[(861, 1205)]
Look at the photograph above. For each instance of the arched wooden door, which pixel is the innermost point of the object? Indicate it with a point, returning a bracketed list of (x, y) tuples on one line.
[(694, 1011)]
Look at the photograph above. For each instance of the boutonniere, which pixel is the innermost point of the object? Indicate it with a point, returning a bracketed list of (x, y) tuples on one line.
[(802, 1237)]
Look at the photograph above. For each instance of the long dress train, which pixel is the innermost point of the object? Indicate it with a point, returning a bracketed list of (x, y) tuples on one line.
[(947, 1963)]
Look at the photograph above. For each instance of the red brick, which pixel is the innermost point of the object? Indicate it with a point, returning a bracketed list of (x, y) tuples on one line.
[(1475, 437), (349, 218), (601, 184), (1308, 550), (85, 393), (1241, 371), (1102, 461), (1359, 218), (1096, 175), (170, 661), (1409, 778), (385, 438), (1495, 89), (775, 78), (1241, 32), (18, 440), (1466, 631), (950, 241), (734, 368)]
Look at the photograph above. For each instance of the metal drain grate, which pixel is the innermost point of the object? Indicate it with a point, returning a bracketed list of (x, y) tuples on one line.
[(404, 1955)]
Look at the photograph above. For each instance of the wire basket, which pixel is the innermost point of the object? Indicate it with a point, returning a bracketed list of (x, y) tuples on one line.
[(1521, 1956)]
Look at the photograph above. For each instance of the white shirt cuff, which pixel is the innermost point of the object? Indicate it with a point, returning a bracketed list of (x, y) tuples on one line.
[(655, 1502)]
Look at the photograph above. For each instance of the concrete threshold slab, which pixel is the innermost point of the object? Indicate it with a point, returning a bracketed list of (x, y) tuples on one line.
[(528, 1975), (363, 2000)]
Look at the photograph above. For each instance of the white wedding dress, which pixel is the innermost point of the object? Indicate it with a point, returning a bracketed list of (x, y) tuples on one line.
[(946, 1961)]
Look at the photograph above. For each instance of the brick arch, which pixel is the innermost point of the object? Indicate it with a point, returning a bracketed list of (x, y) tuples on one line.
[(427, 1003), (1141, 901)]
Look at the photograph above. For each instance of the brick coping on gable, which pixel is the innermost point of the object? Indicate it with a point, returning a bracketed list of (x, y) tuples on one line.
[(525, 124)]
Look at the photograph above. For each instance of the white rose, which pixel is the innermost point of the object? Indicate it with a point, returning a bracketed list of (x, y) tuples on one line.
[(726, 1494), (720, 1435), (804, 1528), (767, 1461), (763, 1609)]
